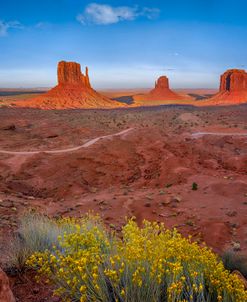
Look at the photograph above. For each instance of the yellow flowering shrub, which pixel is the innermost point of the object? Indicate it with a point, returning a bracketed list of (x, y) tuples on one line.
[(148, 264)]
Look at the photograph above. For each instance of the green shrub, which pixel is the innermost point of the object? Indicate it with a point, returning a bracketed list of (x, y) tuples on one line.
[(194, 186)]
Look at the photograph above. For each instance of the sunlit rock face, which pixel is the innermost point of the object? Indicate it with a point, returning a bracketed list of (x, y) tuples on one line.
[(70, 73)]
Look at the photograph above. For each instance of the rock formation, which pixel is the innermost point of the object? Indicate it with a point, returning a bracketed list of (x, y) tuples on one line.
[(70, 73), (233, 80), (233, 88), (6, 294), (161, 92), (73, 91)]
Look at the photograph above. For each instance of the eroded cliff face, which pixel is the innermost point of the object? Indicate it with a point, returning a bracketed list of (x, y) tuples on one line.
[(70, 73), (73, 91), (233, 80)]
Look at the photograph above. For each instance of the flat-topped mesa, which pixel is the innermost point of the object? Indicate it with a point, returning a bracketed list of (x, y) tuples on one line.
[(70, 73), (233, 80)]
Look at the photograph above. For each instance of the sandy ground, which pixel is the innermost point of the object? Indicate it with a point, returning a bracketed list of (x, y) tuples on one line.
[(146, 172)]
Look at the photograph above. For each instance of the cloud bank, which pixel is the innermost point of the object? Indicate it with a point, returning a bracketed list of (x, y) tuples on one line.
[(103, 14)]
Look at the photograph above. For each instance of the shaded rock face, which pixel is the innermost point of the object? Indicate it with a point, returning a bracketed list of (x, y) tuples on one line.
[(70, 73), (6, 294), (233, 80), (73, 91)]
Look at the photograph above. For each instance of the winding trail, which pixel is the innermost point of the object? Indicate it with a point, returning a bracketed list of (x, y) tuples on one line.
[(86, 145), (200, 134)]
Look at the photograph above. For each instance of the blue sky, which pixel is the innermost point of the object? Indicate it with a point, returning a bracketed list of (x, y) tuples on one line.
[(126, 44)]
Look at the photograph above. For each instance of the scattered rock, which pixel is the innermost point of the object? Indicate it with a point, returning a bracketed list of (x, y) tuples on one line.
[(231, 213), (236, 246), (35, 290), (189, 222), (11, 127), (176, 199)]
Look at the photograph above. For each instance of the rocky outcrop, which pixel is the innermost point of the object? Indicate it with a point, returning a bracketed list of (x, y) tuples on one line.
[(73, 91), (233, 80), (233, 88), (70, 73), (161, 92), (6, 294), (161, 83)]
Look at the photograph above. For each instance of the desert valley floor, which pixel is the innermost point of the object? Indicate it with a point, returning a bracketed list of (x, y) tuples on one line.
[(139, 162)]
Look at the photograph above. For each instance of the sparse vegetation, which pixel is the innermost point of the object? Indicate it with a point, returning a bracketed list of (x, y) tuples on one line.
[(36, 233), (194, 186), (85, 262), (168, 186)]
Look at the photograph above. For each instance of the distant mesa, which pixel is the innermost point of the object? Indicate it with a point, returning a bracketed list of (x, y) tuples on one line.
[(73, 91), (161, 92), (233, 88)]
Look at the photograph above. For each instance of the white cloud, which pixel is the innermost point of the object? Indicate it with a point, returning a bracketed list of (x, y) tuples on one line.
[(105, 14), (42, 25), (5, 26)]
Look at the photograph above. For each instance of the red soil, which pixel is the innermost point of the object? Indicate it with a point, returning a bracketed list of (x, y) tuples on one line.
[(147, 172)]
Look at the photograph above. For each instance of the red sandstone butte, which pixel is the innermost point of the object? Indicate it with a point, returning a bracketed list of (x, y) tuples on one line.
[(73, 91), (233, 88), (161, 92)]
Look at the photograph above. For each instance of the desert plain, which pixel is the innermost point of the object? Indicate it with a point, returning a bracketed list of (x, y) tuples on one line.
[(181, 165)]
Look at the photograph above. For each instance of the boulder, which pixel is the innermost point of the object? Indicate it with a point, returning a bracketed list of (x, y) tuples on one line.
[(6, 294)]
